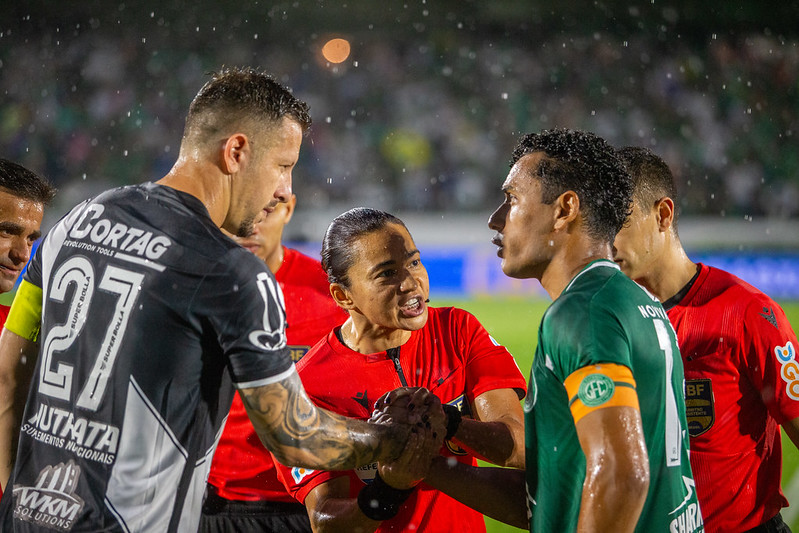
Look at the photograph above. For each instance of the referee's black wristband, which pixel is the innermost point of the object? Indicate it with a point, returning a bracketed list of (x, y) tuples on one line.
[(380, 501), (453, 420)]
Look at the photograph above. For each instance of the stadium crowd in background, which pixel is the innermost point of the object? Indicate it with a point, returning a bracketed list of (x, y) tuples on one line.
[(600, 456), (411, 125), (417, 124), (244, 492), (393, 339), (739, 354), (147, 316)]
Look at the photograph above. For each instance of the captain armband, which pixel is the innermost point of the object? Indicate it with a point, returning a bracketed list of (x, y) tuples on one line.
[(25, 316), (598, 386)]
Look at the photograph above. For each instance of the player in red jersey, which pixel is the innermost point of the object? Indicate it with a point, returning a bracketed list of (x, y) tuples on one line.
[(23, 197), (244, 493), (394, 339), (739, 352)]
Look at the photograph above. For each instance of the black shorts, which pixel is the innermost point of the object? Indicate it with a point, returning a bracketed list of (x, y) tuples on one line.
[(775, 525), (228, 516)]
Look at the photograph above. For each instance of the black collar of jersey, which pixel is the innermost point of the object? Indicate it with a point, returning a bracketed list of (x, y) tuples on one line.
[(677, 298)]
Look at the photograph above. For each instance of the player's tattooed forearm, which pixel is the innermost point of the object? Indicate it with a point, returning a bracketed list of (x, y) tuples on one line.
[(289, 421), (273, 400)]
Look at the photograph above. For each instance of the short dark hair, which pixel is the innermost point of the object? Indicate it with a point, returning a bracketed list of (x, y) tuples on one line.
[(652, 177), (337, 246), (25, 183), (237, 96), (586, 164)]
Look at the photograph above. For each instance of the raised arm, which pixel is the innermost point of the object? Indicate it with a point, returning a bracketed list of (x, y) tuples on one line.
[(17, 363)]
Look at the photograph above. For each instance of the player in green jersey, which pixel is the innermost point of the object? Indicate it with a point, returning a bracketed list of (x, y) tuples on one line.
[(605, 419)]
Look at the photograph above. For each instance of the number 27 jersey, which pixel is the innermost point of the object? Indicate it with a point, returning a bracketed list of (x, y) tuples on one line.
[(150, 314)]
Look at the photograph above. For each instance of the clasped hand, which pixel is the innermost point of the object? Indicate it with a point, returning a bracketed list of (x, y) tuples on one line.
[(421, 411)]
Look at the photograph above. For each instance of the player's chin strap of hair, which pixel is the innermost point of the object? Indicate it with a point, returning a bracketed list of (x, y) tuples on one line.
[(380, 501)]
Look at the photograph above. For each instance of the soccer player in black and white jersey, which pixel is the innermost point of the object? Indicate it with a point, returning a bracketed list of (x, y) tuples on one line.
[(143, 316)]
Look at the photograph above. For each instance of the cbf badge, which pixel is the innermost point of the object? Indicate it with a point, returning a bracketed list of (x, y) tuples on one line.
[(699, 408)]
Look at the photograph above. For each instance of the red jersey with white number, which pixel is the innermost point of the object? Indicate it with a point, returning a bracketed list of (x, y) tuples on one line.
[(242, 469), (454, 357), (742, 380)]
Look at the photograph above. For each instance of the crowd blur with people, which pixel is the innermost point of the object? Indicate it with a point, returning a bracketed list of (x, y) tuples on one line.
[(422, 123)]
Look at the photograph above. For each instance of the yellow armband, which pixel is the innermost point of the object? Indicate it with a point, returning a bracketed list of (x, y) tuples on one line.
[(598, 386), (25, 316)]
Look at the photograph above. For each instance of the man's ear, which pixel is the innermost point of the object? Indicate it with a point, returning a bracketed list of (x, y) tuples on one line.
[(235, 152), (341, 296), (567, 208), (664, 211)]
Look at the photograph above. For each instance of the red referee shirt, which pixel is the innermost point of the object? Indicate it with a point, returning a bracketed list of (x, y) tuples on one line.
[(454, 357), (742, 380)]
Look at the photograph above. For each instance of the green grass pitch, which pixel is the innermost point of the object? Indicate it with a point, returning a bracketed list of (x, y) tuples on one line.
[(513, 322)]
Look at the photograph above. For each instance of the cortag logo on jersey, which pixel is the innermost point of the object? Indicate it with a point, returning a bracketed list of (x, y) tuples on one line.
[(596, 389), (52, 502), (102, 234), (699, 408), (298, 473), (789, 371)]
